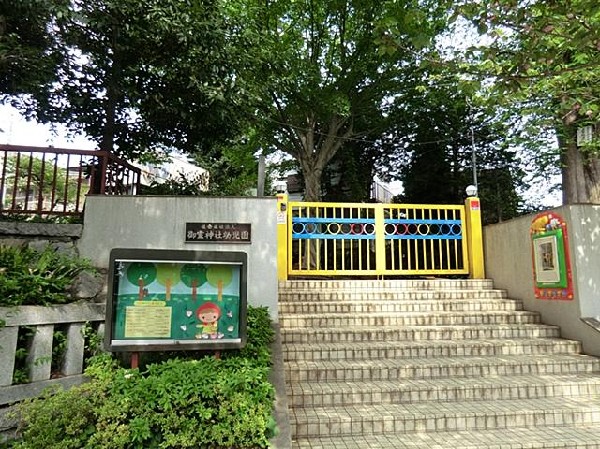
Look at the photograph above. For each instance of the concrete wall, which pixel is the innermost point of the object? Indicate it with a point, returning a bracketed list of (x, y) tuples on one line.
[(158, 222), (585, 250), (508, 258)]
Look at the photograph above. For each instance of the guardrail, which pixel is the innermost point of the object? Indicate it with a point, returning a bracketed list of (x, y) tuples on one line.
[(54, 181)]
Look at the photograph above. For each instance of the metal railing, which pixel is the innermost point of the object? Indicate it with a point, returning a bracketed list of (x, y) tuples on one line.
[(54, 181), (355, 239)]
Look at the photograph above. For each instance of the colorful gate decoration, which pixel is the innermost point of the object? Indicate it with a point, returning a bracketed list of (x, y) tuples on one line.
[(374, 239), (551, 259)]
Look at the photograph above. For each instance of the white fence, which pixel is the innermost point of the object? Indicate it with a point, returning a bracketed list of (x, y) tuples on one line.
[(41, 323)]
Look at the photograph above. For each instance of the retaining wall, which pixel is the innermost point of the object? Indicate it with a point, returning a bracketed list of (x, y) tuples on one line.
[(508, 261), (159, 222)]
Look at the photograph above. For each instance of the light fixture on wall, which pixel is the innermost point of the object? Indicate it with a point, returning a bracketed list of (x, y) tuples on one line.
[(471, 190), (281, 186)]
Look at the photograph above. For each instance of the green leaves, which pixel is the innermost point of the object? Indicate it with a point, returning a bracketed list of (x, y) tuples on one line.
[(541, 62), (37, 278), (27, 57), (178, 403), (134, 75), (326, 71)]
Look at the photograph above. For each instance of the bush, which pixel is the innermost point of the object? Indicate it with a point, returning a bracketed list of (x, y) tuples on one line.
[(29, 277), (202, 403)]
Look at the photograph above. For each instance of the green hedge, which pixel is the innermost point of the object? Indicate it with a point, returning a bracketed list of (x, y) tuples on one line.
[(29, 277), (178, 403)]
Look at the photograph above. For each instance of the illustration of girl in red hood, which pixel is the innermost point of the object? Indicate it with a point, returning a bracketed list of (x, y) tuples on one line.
[(208, 314)]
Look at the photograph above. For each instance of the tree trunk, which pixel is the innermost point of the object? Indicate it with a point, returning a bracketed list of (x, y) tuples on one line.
[(573, 185), (591, 171), (312, 184), (314, 156), (108, 134), (580, 174)]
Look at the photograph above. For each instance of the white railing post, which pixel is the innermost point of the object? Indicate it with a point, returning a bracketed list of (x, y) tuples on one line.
[(8, 347), (73, 357), (39, 357)]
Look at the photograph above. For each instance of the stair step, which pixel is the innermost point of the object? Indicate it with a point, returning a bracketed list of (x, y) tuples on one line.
[(387, 285), (549, 437), (430, 363), (424, 368), (421, 333), (402, 391), (440, 348), (312, 295), (445, 416), (374, 306), (408, 319)]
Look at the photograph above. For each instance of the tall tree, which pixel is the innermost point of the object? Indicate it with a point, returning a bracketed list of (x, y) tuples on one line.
[(28, 57), (349, 175), (322, 72), (543, 57), (136, 75), (441, 128)]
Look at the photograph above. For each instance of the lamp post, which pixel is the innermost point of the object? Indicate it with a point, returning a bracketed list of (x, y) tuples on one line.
[(281, 186), (474, 158), (474, 234), (471, 190)]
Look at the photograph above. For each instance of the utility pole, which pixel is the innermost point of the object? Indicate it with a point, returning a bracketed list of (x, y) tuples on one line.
[(260, 190), (474, 158)]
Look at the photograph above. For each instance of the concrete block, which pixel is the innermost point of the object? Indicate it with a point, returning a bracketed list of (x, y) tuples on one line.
[(39, 357), (8, 346), (73, 358), (87, 285)]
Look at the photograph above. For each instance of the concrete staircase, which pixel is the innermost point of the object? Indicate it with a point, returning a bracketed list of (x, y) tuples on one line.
[(446, 364)]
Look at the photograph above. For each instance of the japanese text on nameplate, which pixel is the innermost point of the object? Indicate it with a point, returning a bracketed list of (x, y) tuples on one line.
[(218, 232)]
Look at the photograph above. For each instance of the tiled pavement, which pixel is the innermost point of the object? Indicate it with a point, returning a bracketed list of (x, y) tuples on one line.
[(431, 364)]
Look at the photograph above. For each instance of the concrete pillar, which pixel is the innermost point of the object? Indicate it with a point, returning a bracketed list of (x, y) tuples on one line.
[(73, 358), (39, 357)]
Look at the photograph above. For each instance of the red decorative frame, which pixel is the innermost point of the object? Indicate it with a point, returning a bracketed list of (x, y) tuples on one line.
[(545, 223)]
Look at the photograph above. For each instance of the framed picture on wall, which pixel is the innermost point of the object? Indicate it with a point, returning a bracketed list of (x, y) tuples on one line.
[(549, 259), (552, 277)]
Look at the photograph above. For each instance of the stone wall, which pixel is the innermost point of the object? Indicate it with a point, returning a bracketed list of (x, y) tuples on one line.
[(64, 239)]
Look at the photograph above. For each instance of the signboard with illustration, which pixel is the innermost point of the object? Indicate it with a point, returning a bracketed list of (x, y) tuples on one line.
[(551, 261), (176, 300)]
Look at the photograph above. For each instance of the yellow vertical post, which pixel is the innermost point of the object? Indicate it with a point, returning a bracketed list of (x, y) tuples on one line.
[(282, 236), (474, 238), (379, 239)]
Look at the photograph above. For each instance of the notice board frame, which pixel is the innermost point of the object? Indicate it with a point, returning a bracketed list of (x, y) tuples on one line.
[(238, 261)]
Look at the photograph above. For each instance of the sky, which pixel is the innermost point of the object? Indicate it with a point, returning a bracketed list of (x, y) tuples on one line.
[(18, 131)]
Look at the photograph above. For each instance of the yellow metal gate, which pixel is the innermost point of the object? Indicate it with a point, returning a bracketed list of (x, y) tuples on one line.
[(351, 239)]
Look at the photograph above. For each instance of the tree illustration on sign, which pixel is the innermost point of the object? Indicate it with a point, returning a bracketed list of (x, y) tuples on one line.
[(193, 275), (219, 276), (141, 274), (168, 275)]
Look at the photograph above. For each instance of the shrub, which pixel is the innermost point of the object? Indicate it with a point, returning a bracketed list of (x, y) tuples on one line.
[(29, 277), (260, 335), (207, 402)]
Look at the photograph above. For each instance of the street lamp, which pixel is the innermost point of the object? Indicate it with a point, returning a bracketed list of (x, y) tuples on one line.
[(281, 186), (471, 190)]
